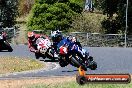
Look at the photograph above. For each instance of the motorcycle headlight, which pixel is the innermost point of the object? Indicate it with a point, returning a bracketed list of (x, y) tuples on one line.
[(43, 50)]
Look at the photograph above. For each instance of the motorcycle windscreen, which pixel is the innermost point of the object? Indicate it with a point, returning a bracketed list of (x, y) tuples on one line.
[(63, 42)]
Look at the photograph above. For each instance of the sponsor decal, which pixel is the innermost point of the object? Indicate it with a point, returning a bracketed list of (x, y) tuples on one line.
[(104, 78)]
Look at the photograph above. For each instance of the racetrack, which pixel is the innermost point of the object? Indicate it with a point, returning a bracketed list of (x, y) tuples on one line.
[(109, 59)]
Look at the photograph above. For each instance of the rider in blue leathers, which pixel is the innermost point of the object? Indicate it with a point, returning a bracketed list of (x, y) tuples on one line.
[(59, 40), (72, 46)]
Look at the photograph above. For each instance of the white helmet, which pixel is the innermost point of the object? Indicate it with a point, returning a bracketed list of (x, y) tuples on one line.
[(54, 33)]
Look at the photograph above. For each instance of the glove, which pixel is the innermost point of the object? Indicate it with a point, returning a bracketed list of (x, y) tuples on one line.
[(36, 51)]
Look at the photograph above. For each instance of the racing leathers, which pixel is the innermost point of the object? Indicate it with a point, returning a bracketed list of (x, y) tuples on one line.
[(32, 43), (69, 44)]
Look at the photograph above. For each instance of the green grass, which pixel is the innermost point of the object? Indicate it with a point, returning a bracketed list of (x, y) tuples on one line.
[(15, 64), (73, 84)]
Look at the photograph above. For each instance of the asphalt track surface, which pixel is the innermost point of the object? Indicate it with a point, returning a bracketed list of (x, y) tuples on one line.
[(109, 59)]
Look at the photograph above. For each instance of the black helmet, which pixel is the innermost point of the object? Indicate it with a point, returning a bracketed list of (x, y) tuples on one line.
[(56, 36)]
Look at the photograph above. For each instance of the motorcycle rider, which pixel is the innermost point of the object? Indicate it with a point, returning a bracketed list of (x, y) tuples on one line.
[(59, 40), (3, 34), (32, 37), (57, 37)]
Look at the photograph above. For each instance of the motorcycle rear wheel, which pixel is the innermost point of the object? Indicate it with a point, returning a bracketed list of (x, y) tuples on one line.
[(62, 62)]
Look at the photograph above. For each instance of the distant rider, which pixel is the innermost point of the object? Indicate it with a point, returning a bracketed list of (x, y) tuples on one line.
[(3, 34), (32, 37)]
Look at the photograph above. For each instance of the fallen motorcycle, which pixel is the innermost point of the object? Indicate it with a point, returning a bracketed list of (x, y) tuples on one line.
[(4, 44), (45, 49), (76, 56)]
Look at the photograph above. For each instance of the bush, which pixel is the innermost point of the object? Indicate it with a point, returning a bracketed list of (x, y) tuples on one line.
[(53, 14)]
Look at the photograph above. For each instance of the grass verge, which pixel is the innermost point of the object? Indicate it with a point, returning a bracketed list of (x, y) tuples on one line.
[(73, 84), (15, 64)]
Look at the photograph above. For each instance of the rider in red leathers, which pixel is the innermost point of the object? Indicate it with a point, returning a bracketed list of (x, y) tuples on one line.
[(3, 34), (32, 37)]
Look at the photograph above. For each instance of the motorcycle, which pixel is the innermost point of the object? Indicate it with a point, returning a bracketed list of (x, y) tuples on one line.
[(4, 45), (76, 56), (45, 49)]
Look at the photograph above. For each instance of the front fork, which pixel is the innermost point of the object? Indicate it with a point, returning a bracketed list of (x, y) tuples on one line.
[(52, 53)]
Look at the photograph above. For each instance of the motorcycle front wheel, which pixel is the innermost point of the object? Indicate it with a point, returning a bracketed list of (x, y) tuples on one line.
[(7, 45), (93, 65), (38, 55)]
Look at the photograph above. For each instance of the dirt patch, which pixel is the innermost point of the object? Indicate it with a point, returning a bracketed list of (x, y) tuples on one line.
[(21, 83)]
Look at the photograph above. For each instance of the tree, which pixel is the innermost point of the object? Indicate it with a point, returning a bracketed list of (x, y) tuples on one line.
[(122, 15), (87, 22), (116, 12), (25, 6), (53, 14), (8, 12)]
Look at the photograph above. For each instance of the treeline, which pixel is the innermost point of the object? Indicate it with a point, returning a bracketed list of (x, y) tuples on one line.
[(24, 7), (116, 15), (11, 9), (66, 14), (53, 14), (8, 12)]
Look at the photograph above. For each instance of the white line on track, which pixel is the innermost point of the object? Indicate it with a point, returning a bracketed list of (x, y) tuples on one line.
[(49, 66)]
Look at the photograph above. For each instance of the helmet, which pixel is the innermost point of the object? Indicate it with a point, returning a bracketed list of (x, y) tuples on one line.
[(74, 39), (31, 35), (56, 36)]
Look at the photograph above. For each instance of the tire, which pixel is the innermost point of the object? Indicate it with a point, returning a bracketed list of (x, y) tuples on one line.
[(9, 48), (37, 56), (63, 63), (78, 63), (93, 66), (43, 57), (81, 80)]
